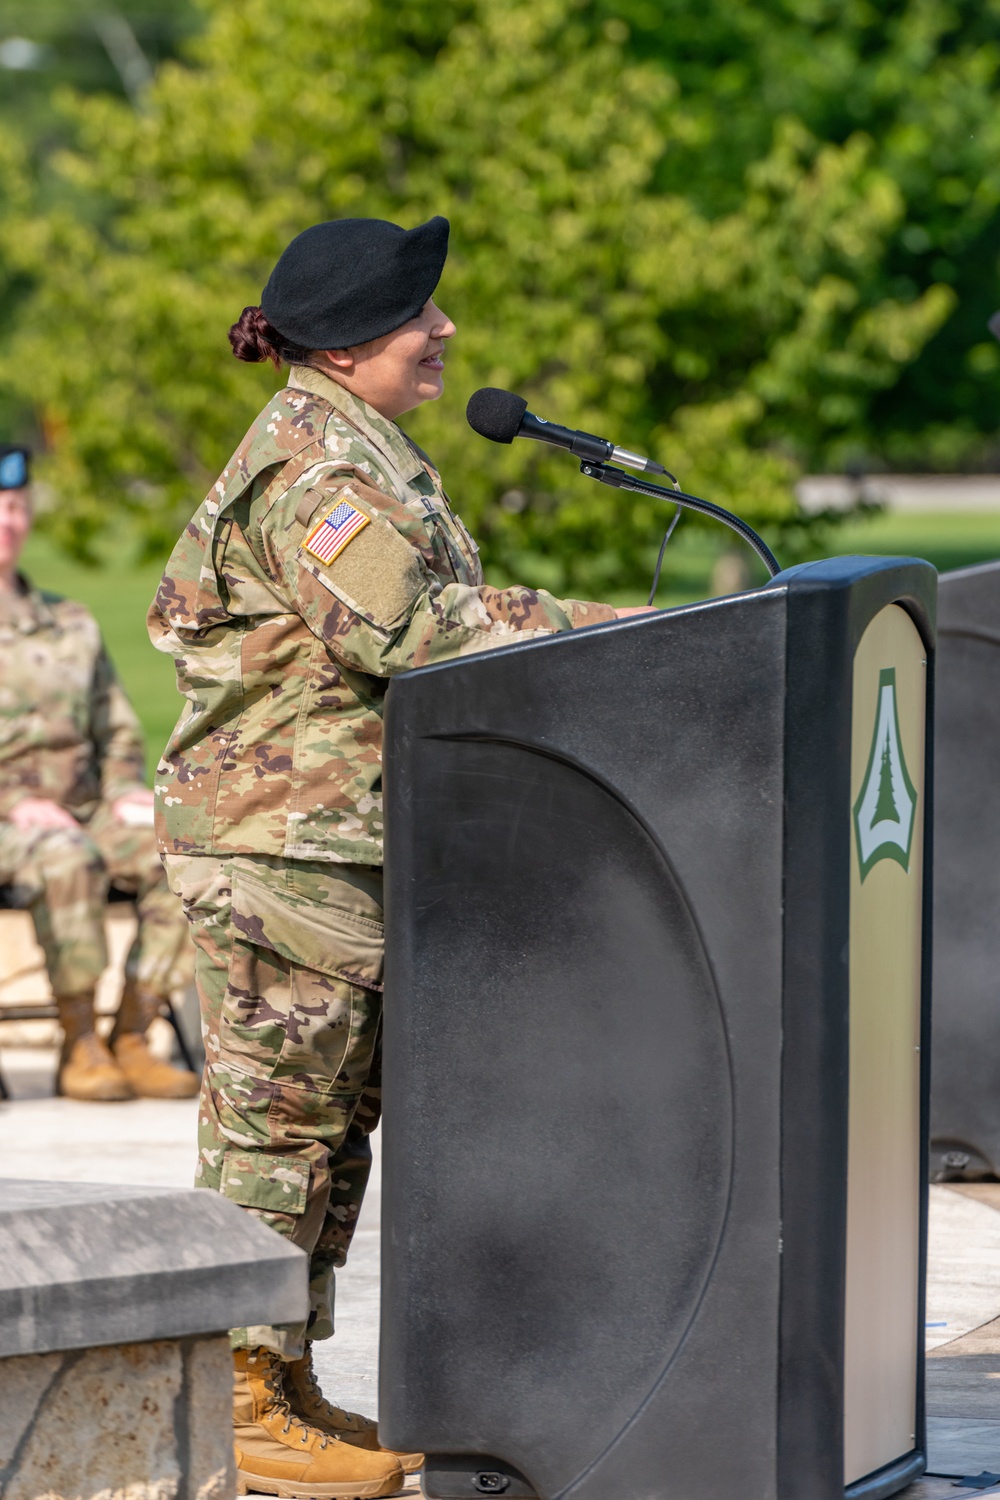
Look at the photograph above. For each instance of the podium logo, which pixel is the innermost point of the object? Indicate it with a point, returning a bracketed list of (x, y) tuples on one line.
[(885, 811)]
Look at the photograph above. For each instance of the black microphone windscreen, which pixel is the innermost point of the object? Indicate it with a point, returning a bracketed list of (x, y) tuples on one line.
[(495, 414)]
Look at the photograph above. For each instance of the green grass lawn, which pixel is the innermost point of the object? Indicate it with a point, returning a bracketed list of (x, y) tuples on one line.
[(119, 592), (953, 540)]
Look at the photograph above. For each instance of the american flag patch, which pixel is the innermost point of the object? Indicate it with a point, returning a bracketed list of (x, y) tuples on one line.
[(327, 540)]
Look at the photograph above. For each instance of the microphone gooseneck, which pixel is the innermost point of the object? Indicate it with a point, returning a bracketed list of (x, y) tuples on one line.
[(501, 416), (605, 474)]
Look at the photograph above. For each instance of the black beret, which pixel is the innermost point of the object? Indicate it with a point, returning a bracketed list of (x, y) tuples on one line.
[(352, 280), (15, 467)]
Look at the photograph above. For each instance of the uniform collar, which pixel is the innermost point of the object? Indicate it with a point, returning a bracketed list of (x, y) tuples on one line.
[(28, 609), (383, 435)]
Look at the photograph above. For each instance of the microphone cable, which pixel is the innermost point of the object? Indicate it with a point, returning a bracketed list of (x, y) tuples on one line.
[(663, 547), (619, 480)]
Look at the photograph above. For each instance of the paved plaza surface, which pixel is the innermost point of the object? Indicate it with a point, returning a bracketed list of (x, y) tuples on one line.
[(152, 1142)]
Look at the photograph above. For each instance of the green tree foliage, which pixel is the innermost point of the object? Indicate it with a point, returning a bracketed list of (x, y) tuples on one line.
[(110, 45), (597, 266), (918, 79), (47, 47)]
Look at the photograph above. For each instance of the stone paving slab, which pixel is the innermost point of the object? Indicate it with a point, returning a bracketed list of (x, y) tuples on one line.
[(963, 1274), (930, 1488), (961, 1446), (963, 1367)]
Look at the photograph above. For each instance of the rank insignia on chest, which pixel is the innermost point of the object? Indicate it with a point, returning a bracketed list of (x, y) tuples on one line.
[(327, 540)]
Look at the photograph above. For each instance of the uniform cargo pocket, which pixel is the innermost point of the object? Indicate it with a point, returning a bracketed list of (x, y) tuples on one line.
[(278, 1184), (324, 938), (301, 1006)]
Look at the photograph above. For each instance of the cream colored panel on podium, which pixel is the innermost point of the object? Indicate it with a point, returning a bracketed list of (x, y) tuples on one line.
[(883, 1192)]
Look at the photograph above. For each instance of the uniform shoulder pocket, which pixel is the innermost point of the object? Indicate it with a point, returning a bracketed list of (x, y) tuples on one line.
[(361, 558)]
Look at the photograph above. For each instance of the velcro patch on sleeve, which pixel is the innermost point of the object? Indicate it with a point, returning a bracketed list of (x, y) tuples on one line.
[(377, 573), (328, 539)]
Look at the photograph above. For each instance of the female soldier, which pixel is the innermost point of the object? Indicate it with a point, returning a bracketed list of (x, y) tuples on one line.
[(325, 559)]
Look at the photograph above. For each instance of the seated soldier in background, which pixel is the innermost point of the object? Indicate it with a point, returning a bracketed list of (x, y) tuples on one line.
[(75, 816)]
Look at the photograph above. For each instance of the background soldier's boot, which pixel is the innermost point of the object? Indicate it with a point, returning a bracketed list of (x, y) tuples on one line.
[(86, 1068), (277, 1454), (308, 1403), (149, 1077)]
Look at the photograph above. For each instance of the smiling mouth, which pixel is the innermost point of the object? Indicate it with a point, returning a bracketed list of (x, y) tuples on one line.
[(433, 361)]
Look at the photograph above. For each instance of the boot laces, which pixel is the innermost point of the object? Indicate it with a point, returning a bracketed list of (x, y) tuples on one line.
[(336, 1414), (273, 1376)]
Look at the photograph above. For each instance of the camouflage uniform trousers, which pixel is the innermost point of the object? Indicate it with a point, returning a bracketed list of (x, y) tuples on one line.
[(61, 875), (288, 969)]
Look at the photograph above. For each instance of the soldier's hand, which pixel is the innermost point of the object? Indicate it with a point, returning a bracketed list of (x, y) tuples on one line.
[(134, 807), (637, 609), (40, 812)]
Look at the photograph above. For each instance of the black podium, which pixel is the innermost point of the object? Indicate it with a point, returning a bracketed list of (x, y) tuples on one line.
[(655, 1090), (965, 1083)]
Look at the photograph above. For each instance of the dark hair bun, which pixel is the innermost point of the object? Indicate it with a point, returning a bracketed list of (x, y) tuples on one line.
[(253, 338)]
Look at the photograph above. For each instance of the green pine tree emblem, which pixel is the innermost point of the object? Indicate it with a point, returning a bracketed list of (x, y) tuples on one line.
[(885, 807), (885, 812)]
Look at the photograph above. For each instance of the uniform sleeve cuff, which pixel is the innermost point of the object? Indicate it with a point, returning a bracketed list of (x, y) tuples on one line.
[(581, 612)]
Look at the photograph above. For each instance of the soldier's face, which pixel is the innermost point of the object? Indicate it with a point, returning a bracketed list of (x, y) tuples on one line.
[(15, 524), (401, 370)]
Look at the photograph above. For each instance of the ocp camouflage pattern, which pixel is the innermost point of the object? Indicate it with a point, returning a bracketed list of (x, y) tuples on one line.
[(67, 730), (68, 734), (291, 1091), (284, 660), (270, 790), (61, 875)]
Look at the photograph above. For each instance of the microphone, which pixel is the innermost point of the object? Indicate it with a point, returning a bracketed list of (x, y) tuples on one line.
[(501, 416)]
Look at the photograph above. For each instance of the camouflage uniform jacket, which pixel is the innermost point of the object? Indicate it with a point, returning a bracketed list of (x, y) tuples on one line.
[(285, 656), (67, 730)]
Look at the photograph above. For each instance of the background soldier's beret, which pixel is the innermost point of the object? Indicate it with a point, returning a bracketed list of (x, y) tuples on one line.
[(14, 467), (352, 280)]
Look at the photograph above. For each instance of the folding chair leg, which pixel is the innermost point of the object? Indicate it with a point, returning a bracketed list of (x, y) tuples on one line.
[(4, 1090), (182, 1045)]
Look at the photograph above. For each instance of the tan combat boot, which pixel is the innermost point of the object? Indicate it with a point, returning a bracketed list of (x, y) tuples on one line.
[(277, 1454), (310, 1405), (148, 1076), (87, 1070)]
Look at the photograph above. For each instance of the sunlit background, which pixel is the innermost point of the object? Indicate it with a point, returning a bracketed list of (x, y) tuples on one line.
[(758, 239)]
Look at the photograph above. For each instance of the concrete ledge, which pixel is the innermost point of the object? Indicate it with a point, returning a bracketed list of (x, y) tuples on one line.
[(84, 1264)]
